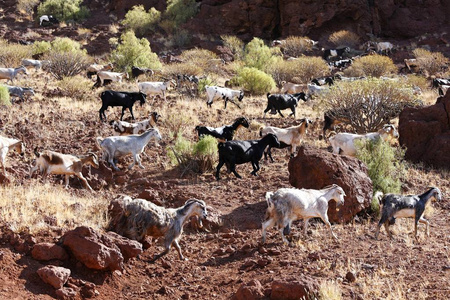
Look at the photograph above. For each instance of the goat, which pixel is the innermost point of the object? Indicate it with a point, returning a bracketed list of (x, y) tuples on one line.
[(322, 81), (437, 82), (11, 73), (50, 162), (95, 68), (331, 120), (317, 89), (215, 92), (289, 204), (278, 102), (335, 52), (125, 128), (117, 146), (411, 64), (344, 143), (112, 76), (239, 152), (142, 218), (288, 137), (292, 88), (410, 206), (136, 72), (7, 144), (224, 133), (384, 47), (36, 64), (46, 20), (19, 91), (341, 64), (124, 99), (154, 88), (443, 90)]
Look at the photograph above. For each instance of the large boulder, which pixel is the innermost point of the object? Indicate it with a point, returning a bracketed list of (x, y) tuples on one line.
[(425, 132), (314, 168)]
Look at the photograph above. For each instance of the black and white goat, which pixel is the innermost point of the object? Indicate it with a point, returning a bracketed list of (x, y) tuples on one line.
[(410, 206), (224, 133), (235, 153), (136, 72), (327, 53), (124, 99), (141, 218), (7, 144), (278, 102), (125, 128), (46, 20), (215, 92)]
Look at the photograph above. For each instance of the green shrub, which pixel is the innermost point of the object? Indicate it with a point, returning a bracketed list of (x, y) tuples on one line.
[(64, 10), (181, 38), (418, 81), (374, 65), (4, 96), (384, 163), (259, 56), (180, 11), (41, 47), (430, 62), (201, 58), (11, 55), (140, 21), (235, 44), (78, 87), (366, 105), (255, 81), (295, 46), (193, 157), (344, 38), (134, 52), (204, 82), (66, 64), (65, 45)]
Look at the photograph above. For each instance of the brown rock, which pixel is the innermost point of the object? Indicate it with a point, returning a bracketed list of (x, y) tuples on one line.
[(48, 251), (67, 293), (350, 276), (53, 275), (251, 290), (299, 289), (128, 248), (95, 250), (314, 169), (425, 132)]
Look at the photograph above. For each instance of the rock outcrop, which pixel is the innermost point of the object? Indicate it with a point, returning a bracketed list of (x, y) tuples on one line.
[(425, 132), (314, 169)]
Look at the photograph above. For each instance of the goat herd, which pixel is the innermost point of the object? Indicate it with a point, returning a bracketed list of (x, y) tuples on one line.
[(284, 206)]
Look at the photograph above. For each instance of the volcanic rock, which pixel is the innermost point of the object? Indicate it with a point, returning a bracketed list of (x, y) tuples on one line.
[(53, 275)]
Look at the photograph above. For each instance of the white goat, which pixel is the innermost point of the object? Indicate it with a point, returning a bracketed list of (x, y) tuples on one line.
[(37, 64), (215, 92), (288, 137), (113, 76), (141, 218), (125, 128), (154, 88), (289, 204), (344, 143), (293, 88), (7, 144), (317, 89), (11, 73), (117, 146), (50, 162), (95, 68), (384, 47), (19, 91)]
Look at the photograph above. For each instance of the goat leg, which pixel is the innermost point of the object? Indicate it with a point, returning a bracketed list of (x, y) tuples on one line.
[(177, 246), (279, 111), (233, 169)]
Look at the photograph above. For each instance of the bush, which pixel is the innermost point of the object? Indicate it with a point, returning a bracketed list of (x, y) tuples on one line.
[(4, 96), (27, 6), (235, 44), (64, 10), (179, 11), (302, 68), (141, 22), (11, 55), (255, 81), (201, 58), (366, 105), (194, 157), (77, 87), (384, 164), (41, 47), (204, 82), (374, 65), (344, 38), (66, 64), (65, 45), (295, 46), (181, 38), (259, 56), (134, 52), (430, 62)]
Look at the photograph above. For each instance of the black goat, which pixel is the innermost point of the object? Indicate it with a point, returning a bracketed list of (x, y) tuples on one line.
[(411, 206), (335, 52), (278, 102), (124, 99), (136, 71), (234, 153), (437, 82), (322, 81), (224, 133)]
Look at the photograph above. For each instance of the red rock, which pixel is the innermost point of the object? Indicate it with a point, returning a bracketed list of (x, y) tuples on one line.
[(251, 290), (299, 289), (67, 293), (55, 276), (314, 169), (48, 251), (128, 248)]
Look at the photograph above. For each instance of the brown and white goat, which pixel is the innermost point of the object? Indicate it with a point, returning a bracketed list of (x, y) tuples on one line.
[(125, 128), (7, 144), (50, 162)]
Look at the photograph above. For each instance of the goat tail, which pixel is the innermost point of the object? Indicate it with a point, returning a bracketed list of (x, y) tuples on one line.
[(269, 199), (99, 141), (36, 152), (379, 196)]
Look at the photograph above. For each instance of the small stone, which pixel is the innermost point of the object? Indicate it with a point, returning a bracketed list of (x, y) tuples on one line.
[(351, 277)]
